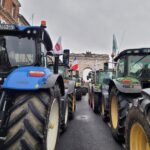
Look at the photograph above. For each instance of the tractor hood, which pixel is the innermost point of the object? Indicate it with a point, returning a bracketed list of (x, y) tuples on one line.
[(128, 85), (27, 78), (128, 80)]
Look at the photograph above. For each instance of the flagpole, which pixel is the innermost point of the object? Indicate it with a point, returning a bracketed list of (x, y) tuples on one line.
[(56, 63), (32, 18)]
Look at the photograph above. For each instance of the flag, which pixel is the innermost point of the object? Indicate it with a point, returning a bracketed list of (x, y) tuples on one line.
[(58, 47), (75, 64), (115, 46)]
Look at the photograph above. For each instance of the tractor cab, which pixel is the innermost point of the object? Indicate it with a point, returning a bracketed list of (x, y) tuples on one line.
[(22, 46), (26, 88), (133, 65)]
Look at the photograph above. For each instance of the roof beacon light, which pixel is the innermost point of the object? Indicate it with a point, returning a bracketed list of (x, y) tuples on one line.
[(43, 23), (36, 73)]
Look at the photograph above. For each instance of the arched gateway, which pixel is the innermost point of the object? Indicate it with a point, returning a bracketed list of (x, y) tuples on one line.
[(89, 60)]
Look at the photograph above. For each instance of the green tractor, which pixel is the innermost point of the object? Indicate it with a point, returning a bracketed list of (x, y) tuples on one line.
[(78, 84), (91, 78), (137, 126), (132, 75), (66, 73), (99, 88)]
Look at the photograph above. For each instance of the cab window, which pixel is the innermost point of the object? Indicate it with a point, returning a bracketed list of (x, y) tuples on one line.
[(120, 68)]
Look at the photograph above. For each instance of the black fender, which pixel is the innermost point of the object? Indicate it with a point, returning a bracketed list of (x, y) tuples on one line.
[(105, 96), (121, 88), (71, 87), (63, 104), (146, 93), (53, 80)]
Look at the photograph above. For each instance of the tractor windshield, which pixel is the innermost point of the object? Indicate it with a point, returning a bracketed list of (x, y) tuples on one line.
[(63, 71), (105, 75), (139, 66), (17, 51)]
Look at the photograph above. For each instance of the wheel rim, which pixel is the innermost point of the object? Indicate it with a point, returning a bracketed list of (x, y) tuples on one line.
[(103, 108), (66, 113), (114, 112), (138, 138), (73, 104), (53, 125)]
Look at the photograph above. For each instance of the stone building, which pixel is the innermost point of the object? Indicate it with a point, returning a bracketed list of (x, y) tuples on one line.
[(10, 12), (89, 60)]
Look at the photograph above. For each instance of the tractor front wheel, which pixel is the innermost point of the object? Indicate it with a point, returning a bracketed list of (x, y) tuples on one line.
[(78, 94), (96, 103), (138, 129), (118, 110), (34, 121), (72, 105), (66, 116), (103, 111)]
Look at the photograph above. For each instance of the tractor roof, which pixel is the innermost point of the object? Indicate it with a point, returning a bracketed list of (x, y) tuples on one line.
[(17, 30), (135, 51)]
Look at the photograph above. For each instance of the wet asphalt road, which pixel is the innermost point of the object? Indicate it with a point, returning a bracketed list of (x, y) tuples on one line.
[(87, 131)]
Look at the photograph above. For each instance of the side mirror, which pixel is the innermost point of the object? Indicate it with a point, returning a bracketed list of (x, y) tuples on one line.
[(66, 57)]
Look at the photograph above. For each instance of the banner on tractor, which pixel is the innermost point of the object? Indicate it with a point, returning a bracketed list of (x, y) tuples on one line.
[(115, 46), (58, 47)]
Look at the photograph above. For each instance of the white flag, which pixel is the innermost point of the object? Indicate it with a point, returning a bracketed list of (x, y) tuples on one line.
[(58, 47)]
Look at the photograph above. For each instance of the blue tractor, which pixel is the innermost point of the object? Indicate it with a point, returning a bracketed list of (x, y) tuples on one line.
[(30, 92)]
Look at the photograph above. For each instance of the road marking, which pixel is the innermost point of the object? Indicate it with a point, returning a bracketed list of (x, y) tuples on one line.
[(82, 117)]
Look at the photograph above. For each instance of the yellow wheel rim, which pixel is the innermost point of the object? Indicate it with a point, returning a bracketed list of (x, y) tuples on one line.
[(73, 104), (103, 108), (114, 112), (138, 138)]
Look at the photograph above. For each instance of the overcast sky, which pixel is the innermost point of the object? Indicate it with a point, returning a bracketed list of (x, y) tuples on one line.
[(88, 25)]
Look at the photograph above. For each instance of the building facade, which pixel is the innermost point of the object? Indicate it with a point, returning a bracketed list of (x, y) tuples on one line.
[(89, 60), (10, 12)]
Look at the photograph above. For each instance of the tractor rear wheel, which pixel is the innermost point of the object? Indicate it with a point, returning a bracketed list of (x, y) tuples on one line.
[(34, 121), (78, 94), (138, 128), (118, 110), (95, 103)]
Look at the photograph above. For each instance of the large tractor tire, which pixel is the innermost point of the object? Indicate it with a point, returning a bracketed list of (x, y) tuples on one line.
[(118, 110), (103, 112), (66, 117), (34, 121), (84, 91), (138, 126), (78, 94), (96, 103), (72, 106)]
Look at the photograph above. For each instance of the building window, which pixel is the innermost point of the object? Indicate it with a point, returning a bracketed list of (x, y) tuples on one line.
[(2, 3), (13, 11)]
